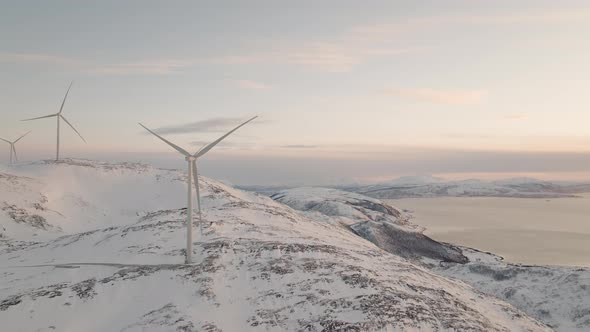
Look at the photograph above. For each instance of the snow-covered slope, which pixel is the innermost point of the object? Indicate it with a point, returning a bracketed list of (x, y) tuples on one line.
[(558, 296), (434, 187), (259, 266), (384, 225), (77, 195), (336, 203)]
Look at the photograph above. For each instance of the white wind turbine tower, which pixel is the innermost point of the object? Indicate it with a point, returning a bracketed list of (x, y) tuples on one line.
[(12, 148), (59, 117), (192, 172)]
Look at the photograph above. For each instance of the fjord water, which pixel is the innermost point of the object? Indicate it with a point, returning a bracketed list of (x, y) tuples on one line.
[(552, 231)]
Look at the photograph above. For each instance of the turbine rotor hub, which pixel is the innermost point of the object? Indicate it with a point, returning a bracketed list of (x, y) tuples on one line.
[(190, 158)]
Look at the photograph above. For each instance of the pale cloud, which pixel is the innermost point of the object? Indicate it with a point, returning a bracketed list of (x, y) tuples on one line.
[(39, 58), (252, 85), (516, 116), (145, 67), (451, 97), (387, 31), (507, 141), (342, 53), (360, 44), (204, 126), (299, 146), (336, 56), (323, 56), (339, 56), (554, 16), (233, 144), (467, 136), (202, 143)]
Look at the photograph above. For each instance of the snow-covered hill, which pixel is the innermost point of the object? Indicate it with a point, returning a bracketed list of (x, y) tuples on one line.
[(48, 198), (384, 225), (558, 296), (108, 260), (434, 187)]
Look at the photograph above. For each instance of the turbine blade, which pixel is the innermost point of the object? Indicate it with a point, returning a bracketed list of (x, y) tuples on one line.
[(41, 117), (210, 146), (202, 147), (68, 122), (14, 149), (18, 139), (176, 147), (7, 141), (65, 97)]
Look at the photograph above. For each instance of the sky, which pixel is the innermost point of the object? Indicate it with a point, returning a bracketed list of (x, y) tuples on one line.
[(345, 91)]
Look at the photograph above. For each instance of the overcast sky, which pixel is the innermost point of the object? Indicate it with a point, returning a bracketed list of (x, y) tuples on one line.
[(345, 90)]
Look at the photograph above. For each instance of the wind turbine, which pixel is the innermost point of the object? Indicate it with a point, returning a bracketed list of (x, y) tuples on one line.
[(12, 148), (193, 172), (59, 117)]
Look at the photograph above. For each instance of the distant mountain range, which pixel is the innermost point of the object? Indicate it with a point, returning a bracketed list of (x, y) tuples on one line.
[(435, 187), (429, 186)]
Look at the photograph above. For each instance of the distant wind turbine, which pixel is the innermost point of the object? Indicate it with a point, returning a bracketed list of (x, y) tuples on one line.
[(59, 117), (12, 148), (193, 172)]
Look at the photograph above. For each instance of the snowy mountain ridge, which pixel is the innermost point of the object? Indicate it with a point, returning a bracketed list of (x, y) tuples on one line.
[(384, 225), (110, 262)]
